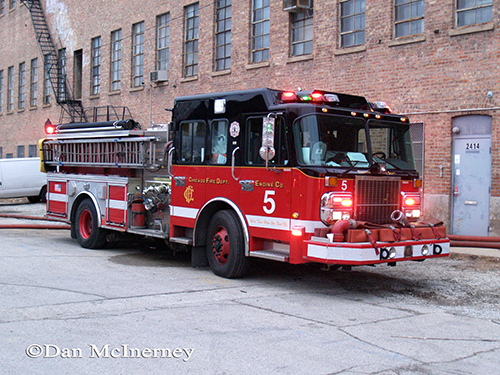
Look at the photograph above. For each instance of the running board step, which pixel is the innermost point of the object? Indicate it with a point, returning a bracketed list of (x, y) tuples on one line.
[(182, 240), (271, 254)]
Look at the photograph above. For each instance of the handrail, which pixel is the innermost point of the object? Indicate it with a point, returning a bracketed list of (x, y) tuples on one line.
[(233, 158)]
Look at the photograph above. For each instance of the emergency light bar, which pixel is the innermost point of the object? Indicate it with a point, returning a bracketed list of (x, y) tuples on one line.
[(315, 96)]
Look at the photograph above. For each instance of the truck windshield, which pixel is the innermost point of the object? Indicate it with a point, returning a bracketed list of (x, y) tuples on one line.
[(337, 141)]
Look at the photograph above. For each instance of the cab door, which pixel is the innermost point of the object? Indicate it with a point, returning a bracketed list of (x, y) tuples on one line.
[(265, 186)]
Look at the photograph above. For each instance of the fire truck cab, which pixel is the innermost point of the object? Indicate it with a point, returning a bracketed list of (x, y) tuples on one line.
[(297, 177)]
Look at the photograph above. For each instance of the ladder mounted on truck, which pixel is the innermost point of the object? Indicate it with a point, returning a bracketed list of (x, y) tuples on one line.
[(120, 150)]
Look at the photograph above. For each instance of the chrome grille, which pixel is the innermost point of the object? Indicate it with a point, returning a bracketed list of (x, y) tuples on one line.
[(376, 198)]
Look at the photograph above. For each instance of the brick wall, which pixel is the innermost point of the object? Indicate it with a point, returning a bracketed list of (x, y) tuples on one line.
[(427, 76)]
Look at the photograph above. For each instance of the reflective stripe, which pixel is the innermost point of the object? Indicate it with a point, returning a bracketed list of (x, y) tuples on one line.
[(119, 205), (58, 197), (268, 222), (185, 212)]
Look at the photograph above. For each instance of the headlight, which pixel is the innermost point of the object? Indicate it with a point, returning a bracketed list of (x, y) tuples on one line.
[(335, 206)]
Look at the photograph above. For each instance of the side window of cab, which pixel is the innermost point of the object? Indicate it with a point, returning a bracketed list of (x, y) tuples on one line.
[(192, 142)]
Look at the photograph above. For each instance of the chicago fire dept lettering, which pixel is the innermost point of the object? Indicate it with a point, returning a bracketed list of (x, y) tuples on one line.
[(188, 194)]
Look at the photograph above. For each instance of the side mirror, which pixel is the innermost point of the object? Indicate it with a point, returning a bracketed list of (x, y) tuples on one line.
[(267, 151)]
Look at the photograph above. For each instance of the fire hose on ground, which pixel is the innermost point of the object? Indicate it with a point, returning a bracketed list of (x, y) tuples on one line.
[(474, 241), (32, 226)]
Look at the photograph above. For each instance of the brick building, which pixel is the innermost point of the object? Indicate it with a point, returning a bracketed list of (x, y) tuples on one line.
[(436, 61)]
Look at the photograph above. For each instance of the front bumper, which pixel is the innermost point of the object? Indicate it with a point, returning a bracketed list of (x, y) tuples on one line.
[(356, 254)]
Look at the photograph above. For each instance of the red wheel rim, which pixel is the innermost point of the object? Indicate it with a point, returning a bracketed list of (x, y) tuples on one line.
[(220, 245), (85, 224)]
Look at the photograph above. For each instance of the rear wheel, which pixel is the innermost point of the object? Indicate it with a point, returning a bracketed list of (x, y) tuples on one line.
[(226, 245), (88, 232)]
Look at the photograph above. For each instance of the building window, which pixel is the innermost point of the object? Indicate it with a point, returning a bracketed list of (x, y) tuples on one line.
[(1, 153), (62, 75), (47, 85), (22, 86), (34, 83), (301, 32), (474, 12), (1, 90), (116, 60), (20, 151), (12, 4), (77, 73), (261, 23), (352, 23), (32, 151), (191, 40), (409, 17), (10, 88), (2, 7), (163, 42), (95, 73), (137, 54), (223, 19)]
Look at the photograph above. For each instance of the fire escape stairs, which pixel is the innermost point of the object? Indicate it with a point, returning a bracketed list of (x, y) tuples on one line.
[(58, 82)]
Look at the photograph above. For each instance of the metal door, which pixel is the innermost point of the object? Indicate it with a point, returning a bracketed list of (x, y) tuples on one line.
[(471, 185)]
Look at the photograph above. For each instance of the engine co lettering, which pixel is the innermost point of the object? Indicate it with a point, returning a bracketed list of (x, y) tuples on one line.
[(275, 184)]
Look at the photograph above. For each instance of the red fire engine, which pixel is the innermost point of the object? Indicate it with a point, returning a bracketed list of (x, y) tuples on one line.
[(297, 177)]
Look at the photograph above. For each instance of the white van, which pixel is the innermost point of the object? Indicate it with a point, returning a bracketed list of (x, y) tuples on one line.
[(21, 177)]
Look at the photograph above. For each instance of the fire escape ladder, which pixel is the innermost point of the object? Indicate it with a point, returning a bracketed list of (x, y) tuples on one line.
[(58, 82)]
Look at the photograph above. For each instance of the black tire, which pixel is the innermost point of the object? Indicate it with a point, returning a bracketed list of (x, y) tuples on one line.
[(226, 245), (43, 194), (34, 199), (88, 232)]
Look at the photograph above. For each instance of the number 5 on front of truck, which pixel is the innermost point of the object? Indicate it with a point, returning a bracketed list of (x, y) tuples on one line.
[(297, 177)]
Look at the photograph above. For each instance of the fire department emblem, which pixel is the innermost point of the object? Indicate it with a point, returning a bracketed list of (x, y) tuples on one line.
[(188, 194), (234, 129)]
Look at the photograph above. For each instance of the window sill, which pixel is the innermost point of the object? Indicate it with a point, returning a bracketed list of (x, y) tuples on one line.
[(9, 112), (32, 108), (294, 59), (135, 89), (259, 65), (471, 29), (46, 105), (93, 97), (189, 79), (221, 73), (21, 110), (348, 50), (112, 93), (407, 40)]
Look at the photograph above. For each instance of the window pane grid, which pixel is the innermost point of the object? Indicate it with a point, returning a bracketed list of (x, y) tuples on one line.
[(10, 89), (163, 43), (352, 23), (409, 17), (191, 40), (261, 13), (137, 54), (96, 65), (474, 12), (116, 60), (34, 83), (22, 85), (223, 35), (302, 33)]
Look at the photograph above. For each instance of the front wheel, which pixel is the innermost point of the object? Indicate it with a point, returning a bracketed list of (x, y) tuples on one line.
[(226, 245), (88, 232)]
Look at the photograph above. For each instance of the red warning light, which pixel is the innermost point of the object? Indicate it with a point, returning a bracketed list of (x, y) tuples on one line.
[(49, 127)]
